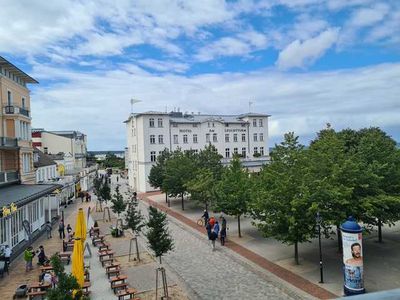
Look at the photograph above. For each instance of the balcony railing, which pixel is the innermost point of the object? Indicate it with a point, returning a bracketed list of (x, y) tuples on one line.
[(9, 176), (79, 155), (11, 110), (8, 142)]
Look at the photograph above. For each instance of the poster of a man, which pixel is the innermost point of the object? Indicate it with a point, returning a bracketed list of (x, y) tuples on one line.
[(357, 259)]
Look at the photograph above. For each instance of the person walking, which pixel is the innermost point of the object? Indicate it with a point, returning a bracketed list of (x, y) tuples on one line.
[(208, 228), (223, 230), (214, 234), (7, 258), (28, 257), (69, 230), (48, 230), (61, 229)]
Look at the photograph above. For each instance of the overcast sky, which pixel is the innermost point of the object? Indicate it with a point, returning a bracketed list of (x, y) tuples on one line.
[(305, 62)]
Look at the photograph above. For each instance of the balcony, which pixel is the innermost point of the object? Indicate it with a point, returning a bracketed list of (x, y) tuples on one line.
[(79, 155), (8, 177), (12, 110), (6, 142)]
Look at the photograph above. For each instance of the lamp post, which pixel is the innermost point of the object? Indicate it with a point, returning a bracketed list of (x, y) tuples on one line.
[(318, 219)]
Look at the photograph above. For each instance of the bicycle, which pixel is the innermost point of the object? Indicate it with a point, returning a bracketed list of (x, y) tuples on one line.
[(200, 222)]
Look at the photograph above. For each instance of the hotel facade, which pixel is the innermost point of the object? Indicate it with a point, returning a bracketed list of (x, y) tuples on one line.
[(149, 133)]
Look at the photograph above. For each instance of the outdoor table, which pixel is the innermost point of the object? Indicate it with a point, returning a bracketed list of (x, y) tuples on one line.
[(38, 289), (118, 282), (65, 256), (45, 269), (104, 246), (112, 266), (105, 254), (85, 288)]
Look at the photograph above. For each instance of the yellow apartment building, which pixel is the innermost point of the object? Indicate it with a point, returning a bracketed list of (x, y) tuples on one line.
[(16, 152)]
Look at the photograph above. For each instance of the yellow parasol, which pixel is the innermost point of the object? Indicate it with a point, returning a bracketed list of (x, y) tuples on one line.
[(77, 268), (80, 227)]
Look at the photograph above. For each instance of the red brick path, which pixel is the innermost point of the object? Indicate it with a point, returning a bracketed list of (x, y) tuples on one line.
[(288, 276)]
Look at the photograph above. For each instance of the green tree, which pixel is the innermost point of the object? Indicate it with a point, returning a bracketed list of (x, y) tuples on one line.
[(97, 182), (67, 283), (201, 187), (105, 191), (157, 172), (158, 236), (281, 203), (179, 169), (134, 221), (119, 205), (209, 159), (233, 191)]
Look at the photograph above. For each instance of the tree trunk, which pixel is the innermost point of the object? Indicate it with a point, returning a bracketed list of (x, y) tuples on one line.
[(137, 249), (379, 231), (160, 259), (296, 253), (239, 231), (166, 198), (206, 206), (183, 206), (339, 237)]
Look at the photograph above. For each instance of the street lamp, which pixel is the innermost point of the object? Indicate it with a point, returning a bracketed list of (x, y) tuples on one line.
[(318, 219)]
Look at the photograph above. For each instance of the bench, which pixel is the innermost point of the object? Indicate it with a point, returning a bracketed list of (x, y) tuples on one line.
[(126, 292), (119, 286), (113, 272), (32, 295), (106, 260)]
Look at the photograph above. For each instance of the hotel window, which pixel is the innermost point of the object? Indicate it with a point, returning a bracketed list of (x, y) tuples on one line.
[(243, 137), (160, 122), (235, 150), (260, 122), (185, 140), (194, 125), (174, 125), (161, 139), (235, 137), (207, 137), (244, 152), (226, 137), (23, 102), (176, 141), (215, 139), (153, 156), (213, 124), (194, 138), (152, 139), (254, 122), (208, 124), (195, 151), (151, 122), (261, 137), (227, 153), (255, 150), (262, 151), (9, 98), (255, 137)]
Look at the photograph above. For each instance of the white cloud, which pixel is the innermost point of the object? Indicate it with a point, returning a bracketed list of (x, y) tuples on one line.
[(98, 102), (298, 54), (164, 66), (240, 45), (369, 16)]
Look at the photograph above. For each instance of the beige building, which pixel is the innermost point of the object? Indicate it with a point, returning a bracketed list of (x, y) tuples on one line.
[(16, 150), (70, 143)]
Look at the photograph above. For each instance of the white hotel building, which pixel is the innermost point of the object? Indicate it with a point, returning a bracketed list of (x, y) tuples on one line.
[(149, 133)]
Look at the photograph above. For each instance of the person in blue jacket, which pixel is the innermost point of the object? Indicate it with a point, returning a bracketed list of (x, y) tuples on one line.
[(214, 234)]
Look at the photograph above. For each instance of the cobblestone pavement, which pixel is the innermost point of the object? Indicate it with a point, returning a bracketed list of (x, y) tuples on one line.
[(217, 274)]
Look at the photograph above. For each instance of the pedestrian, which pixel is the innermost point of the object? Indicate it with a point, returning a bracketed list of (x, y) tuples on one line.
[(205, 216), (87, 196), (214, 234), (7, 257), (223, 230), (28, 257), (48, 230), (117, 178), (208, 228), (41, 256), (61, 229)]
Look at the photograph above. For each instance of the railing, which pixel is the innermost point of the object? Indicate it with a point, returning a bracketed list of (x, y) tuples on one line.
[(11, 109), (8, 142), (80, 155), (10, 176)]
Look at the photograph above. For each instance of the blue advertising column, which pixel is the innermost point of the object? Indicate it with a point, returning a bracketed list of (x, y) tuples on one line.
[(352, 257)]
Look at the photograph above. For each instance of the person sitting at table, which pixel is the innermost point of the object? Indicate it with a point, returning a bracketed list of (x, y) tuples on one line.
[(47, 278)]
